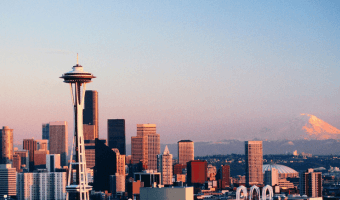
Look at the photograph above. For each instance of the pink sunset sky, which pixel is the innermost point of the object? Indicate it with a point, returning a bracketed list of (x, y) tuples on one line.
[(200, 70)]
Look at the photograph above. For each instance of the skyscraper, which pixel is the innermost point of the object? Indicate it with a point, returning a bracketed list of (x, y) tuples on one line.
[(146, 146), (223, 176), (105, 166), (46, 131), (6, 142), (116, 134), (164, 166), (185, 151), (311, 183), (31, 146), (59, 140), (91, 109), (254, 162)]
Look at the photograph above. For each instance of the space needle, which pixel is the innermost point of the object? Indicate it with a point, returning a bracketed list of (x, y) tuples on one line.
[(77, 79)]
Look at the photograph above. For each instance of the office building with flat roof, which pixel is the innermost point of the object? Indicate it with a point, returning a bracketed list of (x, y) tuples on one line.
[(146, 146), (186, 151), (254, 162), (311, 183), (116, 134), (90, 113), (196, 172), (59, 140), (31, 146)]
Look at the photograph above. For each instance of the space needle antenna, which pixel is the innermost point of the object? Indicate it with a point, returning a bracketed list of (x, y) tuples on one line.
[(77, 79)]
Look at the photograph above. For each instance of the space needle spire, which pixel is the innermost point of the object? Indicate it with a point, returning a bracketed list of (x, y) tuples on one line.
[(77, 79)]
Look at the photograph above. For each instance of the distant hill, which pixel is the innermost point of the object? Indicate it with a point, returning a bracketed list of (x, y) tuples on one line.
[(315, 147)]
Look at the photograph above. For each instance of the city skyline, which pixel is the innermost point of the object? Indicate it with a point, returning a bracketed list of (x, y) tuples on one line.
[(227, 69)]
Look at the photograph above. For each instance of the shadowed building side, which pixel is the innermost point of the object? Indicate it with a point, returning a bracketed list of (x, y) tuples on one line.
[(105, 166)]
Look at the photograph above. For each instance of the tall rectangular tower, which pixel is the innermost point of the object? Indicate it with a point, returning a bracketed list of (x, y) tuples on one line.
[(254, 162), (6, 142), (164, 166), (146, 145), (311, 183), (185, 151), (116, 134), (59, 140), (91, 109), (46, 131), (31, 146), (8, 180)]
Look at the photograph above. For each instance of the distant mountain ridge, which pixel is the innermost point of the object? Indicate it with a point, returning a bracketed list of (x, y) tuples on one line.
[(315, 147)]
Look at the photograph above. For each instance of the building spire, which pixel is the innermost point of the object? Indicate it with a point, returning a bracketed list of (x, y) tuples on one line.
[(77, 59), (166, 150)]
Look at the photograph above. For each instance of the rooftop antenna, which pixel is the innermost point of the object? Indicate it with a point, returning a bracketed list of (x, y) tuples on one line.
[(77, 58)]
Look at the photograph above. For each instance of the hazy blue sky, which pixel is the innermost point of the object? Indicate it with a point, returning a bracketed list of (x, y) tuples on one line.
[(200, 70)]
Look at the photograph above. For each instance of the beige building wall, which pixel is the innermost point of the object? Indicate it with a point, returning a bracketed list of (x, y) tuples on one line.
[(254, 162)]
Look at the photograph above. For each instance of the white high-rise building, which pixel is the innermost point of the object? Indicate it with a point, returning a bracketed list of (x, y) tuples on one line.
[(45, 185), (271, 177), (164, 166), (7, 180)]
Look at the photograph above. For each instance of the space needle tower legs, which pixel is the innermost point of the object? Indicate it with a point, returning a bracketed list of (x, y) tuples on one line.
[(77, 79)]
